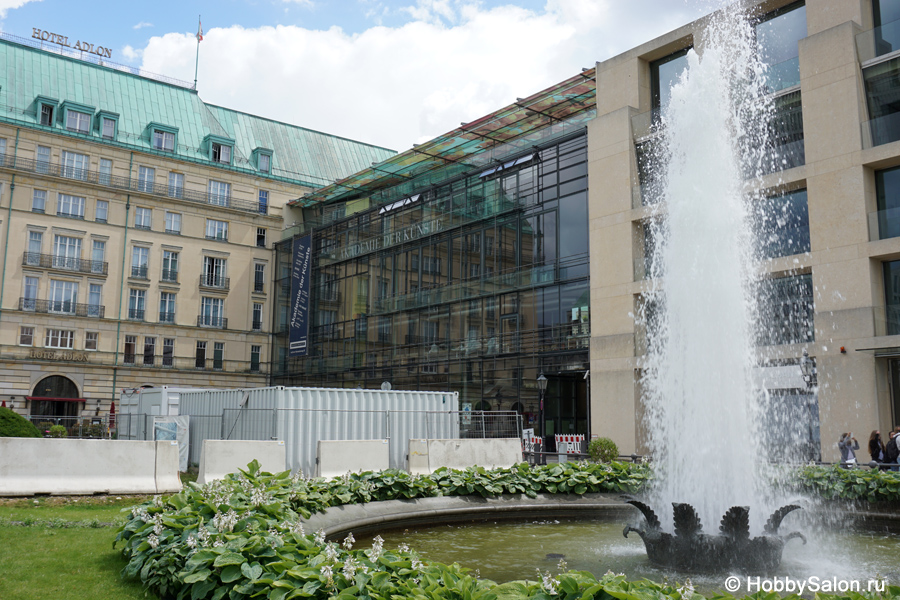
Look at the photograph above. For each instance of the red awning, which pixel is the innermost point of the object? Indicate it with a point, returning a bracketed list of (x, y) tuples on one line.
[(55, 399)]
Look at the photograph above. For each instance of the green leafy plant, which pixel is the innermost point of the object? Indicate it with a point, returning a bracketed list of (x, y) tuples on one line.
[(12, 424), (603, 450), (58, 431)]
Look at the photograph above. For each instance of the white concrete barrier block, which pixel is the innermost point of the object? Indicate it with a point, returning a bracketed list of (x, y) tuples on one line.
[(218, 458), (337, 457), (490, 453), (30, 466), (418, 457)]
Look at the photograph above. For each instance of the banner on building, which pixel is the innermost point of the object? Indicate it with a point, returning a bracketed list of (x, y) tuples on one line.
[(300, 274)]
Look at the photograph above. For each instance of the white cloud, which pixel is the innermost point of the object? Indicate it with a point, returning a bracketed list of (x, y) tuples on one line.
[(131, 54), (7, 5), (452, 62), (142, 24)]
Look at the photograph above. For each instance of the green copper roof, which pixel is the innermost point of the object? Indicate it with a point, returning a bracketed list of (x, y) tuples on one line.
[(299, 155)]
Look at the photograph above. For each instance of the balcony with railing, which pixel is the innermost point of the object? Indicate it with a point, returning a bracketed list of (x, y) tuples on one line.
[(166, 317), (259, 287), (65, 263), (212, 322), (139, 272), (136, 314), (216, 282), (256, 325), (169, 276), (55, 169), (62, 307)]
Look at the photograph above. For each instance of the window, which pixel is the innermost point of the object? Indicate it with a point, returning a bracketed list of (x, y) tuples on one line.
[(221, 153), (214, 272), (74, 165), (146, 177), (91, 340), (664, 73), (33, 256), (263, 202), (216, 230), (777, 38), (786, 306), (255, 352), (257, 316), (142, 217), (63, 295), (173, 223), (95, 300), (219, 193), (59, 338), (200, 357), (108, 128), (98, 255), (137, 300), (265, 163), (66, 252), (47, 115), (163, 140), (176, 185), (78, 121), (105, 171), (783, 229), (166, 307), (218, 355), (149, 350), (168, 354), (259, 278), (43, 159), (38, 201), (30, 289), (130, 349), (70, 206), (169, 266), (212, 312), (785, 136), (261, 237), (26, 336), (140, 258), (384, 329), (102, 212), (2, 149)]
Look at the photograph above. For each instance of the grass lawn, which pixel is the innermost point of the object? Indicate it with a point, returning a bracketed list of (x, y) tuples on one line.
[(50, 560)]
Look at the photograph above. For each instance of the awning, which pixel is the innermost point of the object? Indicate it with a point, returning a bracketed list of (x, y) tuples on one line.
[(52, 399), (887, 352)]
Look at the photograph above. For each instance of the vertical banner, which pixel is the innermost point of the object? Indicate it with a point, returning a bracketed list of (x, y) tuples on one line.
[(300, 275)]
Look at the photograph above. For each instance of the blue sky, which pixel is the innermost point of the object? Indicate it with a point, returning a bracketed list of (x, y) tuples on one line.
[(387, 72)]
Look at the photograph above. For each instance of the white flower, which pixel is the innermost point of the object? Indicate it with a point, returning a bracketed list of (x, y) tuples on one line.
[(562, 565), (349, 541), (403, 548), (218, 543), (549, 584), (259, 497), (687, 590), (331, 552), (191, 541), (377, 545), (417, 564), (320, 537), (153, 540), (350, 568), (158, 524)]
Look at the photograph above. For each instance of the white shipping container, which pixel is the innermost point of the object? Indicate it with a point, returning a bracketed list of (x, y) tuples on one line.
[(302, 416), (137, 406)]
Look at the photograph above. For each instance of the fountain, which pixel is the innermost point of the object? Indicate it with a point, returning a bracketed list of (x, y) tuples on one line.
[(702, 403)]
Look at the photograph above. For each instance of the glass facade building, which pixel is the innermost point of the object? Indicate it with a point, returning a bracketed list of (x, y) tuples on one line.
[(477, 283)]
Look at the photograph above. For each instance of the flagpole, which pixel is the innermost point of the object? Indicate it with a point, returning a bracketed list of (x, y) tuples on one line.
[(197, 60)]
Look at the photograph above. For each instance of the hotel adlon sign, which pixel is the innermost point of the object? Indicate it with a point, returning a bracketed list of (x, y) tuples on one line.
[(62, 40)]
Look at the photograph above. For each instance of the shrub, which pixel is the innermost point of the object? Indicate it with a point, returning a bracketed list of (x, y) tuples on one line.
[(13, 424), (603, 450), (58, 431)]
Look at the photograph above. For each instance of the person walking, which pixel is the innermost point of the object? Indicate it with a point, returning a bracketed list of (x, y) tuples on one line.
[(847, 445), (892, 451), (876, 449)]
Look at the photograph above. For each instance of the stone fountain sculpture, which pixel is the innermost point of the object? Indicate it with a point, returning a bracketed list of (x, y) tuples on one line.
[(732, 549)]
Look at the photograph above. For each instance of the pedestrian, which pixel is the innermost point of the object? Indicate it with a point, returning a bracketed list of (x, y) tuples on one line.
[(876, 449), (847, 445), (892, 451)]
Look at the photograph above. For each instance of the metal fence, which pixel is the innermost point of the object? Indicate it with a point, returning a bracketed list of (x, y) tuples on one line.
[(97, 427), (302, 428)]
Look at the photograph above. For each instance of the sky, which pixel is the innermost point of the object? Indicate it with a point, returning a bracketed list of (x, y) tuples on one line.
[(384, 72)]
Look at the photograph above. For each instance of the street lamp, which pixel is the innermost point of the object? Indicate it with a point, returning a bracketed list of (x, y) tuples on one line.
[(542, 386), (808, 370)]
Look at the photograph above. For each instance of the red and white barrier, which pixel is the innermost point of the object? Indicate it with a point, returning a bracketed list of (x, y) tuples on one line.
[(569, 443)]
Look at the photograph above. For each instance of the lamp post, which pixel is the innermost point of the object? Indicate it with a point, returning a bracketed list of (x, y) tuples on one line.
[(808, 370), (542, 387)]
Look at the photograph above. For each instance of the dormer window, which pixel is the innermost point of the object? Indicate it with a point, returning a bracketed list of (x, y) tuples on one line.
[(264, 163), (262, 158), (163, 140), (108, 124), (78, 121), (221, 153), (46, 115), (163, 137)]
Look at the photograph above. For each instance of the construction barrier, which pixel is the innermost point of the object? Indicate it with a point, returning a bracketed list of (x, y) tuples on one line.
[(32, 466), (426, 456), (570, 443), (221, 457), (338, 457)]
